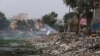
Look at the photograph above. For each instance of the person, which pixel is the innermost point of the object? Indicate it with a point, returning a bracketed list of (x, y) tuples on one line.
[(83, 22), (83, 25)]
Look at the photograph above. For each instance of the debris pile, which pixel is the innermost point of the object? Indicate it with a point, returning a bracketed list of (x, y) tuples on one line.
[(67, 44)]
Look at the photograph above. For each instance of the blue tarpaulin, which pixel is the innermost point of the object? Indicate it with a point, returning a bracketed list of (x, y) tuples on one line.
[(95, 26)]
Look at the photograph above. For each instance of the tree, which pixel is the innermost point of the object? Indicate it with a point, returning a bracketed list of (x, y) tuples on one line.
[(79, 4), (19, 24), (71, 3), (50, 18), (53, 14), (22, 24), (69, 16), (81, 7), (2, 15), (30, 23), (4, 23)]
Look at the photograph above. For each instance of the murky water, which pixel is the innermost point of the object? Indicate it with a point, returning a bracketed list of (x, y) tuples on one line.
[(20, 35), (16, 49)]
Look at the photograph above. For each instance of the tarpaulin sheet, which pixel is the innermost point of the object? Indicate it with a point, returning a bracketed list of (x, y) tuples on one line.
[(83, 21), (96, 26)]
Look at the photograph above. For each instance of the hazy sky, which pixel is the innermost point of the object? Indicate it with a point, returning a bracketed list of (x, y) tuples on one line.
[(34, 8)]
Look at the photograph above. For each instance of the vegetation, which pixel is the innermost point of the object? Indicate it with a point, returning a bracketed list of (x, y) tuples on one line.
[(82, 7), (69, 16), (8, 41), (4, 23), (22, 24), (50, 18)]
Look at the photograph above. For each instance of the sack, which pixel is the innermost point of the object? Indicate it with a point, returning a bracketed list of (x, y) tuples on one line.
[(93, 34)]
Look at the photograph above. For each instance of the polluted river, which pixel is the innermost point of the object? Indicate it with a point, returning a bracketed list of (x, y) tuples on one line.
[(57, 44)]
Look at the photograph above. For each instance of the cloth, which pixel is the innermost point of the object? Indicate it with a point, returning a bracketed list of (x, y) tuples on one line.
[(95, 26), (83, 21), (48, 32)]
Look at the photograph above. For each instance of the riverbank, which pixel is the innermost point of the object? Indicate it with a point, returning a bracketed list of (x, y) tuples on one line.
[(67, 44), (58, 44), (19, 34)]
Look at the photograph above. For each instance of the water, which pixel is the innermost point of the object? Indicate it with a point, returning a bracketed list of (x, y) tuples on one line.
[(19, 47), (18, 35)]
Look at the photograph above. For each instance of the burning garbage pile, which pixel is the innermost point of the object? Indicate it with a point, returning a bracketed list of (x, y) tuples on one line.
[(66, 44)]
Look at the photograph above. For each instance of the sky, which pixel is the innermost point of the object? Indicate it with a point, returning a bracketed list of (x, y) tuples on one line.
[(34, 8)]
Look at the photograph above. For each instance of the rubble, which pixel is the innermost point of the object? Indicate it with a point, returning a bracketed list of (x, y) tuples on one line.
[(67, 44)]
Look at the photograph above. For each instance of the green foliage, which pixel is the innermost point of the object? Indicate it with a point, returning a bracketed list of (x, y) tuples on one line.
[(71, 3), (50, 18), (22, 24), (82, 7), (2, 15), (61, 28), (4, 41), (69, 15), (31, 23), (65, 26), (4, 23)]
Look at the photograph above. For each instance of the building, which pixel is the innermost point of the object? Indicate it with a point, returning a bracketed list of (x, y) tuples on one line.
[(96, 15), (21, 16)]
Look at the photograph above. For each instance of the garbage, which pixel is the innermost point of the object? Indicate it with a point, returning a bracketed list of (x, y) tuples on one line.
[(59, 44), (67, 44)]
